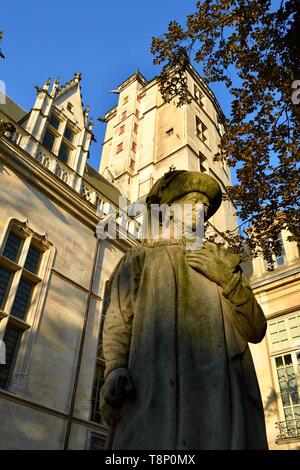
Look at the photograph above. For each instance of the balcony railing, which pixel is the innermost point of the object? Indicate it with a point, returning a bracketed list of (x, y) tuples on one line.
[(288, 430)]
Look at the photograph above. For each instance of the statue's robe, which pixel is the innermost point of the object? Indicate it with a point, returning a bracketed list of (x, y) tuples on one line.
[(185, 341)]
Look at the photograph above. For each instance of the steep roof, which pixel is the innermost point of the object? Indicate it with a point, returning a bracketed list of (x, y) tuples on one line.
[(10, 108), (108, 190)]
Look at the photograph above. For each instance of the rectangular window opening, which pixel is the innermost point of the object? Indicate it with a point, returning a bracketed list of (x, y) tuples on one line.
[(13, 247), (64, 152), (48, 140), (22, 299), (33, 259), (11, 340)]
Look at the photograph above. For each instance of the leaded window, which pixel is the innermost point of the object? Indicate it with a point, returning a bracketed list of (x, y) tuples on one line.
[(21, 256), (64, 152), (68, 134), (48, 140), (54, 121), (284, 336)]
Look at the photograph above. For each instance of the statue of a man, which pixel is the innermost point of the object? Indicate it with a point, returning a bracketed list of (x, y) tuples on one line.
[(179, 373)]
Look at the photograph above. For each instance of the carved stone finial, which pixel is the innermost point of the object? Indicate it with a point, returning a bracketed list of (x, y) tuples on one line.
[(172, 168), (47, 84), (55, 87), (77, 76), (91, 124)]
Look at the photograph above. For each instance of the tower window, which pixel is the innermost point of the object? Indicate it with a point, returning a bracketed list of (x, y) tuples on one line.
[(48, 140), (121, 129), (70, 107), (135, 128), (137, 113), (133, 147), (54, 121), (199, 96), (124, 114), (132, 164), (202, 162), (201, 130), (120, 147), (125, 100)]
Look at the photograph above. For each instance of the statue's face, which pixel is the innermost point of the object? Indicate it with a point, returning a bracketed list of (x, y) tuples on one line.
[(191, 200)]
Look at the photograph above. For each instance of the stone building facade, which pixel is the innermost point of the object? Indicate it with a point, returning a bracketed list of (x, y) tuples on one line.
[(54, 269)]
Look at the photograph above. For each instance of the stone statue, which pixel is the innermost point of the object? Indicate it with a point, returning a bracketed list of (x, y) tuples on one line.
[(179, 373)]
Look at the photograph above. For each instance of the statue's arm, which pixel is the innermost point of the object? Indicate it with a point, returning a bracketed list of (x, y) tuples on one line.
[(248, 315)]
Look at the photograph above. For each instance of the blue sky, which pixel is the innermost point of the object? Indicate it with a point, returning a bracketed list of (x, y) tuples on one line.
[(105, 40)]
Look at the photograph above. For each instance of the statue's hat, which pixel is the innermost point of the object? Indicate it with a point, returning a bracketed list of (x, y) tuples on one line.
[(177, 183)]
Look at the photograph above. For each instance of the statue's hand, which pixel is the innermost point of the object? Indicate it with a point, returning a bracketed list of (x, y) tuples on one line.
[(214, 262), (112, 395)]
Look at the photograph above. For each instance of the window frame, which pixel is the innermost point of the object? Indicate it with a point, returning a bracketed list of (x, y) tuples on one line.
[(202, 131), (290, 348), (20, 364)]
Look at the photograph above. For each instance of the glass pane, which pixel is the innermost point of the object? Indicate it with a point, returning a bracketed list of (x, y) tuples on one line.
[(288, 413), (48, 140), (297, 411), (54, 121), (64, 153), (295, 398), (11, 338), (22, 298), (284, 386), (33, 260), (97, 442), (285, 399), (68, 134), (12, 247), (279, 361), (290, 373), (288, 359), (5, 277)]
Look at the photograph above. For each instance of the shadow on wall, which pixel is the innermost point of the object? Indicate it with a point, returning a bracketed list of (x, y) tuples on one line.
[(270, 406)]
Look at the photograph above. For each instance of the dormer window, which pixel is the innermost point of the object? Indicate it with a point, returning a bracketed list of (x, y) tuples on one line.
[(48, 140), (69, 134), (54, 121), (64, 152)]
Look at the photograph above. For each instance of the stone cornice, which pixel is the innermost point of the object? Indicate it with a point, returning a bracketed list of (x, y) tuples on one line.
[(277, 279)]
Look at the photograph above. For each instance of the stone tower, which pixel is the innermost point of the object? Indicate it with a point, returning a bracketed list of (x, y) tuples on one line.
[(145, 136)]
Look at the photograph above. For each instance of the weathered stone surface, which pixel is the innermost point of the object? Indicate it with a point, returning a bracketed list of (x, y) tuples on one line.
[(181, 322)]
